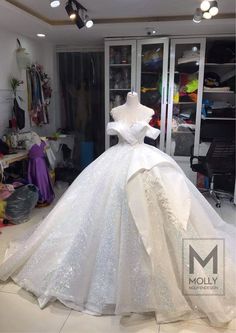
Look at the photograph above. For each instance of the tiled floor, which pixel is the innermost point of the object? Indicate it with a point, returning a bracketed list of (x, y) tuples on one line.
[(19, 311)]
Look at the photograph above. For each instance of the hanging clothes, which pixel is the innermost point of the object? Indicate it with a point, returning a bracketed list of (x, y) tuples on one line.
[(39, 95)]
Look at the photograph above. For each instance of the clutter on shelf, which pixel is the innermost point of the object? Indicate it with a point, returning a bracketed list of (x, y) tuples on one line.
[(221, 51)]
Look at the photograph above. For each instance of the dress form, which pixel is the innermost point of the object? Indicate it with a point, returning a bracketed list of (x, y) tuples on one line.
[(132, 110)]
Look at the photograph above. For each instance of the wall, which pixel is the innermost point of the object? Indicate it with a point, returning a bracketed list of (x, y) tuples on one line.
[(41, 52)]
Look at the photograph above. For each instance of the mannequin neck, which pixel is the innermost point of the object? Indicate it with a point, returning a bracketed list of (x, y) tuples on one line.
[(132, 110), (132, 100)]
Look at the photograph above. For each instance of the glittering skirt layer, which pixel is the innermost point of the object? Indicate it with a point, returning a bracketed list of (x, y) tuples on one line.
[(89, 254)]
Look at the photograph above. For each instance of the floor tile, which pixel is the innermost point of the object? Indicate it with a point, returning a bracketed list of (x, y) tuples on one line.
[(232, 325), (9, 287), (193, 326), (20, 313), (212, 203), (78, 322), (228, 212), (204, 322), (37, 215)]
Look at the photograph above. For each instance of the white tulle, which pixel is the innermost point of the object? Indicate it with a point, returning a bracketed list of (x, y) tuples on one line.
[(113, 243)]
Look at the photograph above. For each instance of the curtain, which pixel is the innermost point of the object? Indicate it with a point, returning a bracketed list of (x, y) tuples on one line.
[(82, 110)]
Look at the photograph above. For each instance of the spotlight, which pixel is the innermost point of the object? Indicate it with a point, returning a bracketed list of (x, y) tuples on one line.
[(41, 35), (55, 3), (205, 5), (79, 22), (70, 11), (78, 13), (88, 22), (207, 15), (73, 15), (197, 16), (214, 10)]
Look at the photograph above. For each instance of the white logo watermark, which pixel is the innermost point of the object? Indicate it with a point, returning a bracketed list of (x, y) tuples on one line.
[(203, 262)]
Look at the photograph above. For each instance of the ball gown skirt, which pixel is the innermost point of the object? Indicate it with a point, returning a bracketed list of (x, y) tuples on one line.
[(113, 242)]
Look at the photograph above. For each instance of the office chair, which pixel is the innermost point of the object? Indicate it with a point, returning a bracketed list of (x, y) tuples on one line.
[(219, 161)]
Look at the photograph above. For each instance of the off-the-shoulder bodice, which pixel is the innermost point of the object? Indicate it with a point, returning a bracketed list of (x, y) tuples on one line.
[(132, 133)]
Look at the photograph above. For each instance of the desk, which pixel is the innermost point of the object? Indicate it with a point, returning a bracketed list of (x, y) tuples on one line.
[(12, 158)]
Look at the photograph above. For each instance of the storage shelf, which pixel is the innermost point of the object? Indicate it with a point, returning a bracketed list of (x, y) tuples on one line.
[(218, 92), (225, 64), (150, 73), (217, 118), (120, 89), (119, 65), (185, 103)]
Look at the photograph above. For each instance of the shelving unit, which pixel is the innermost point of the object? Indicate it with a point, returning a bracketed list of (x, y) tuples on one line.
[(224, 71), (185, 82), (120, 76), (146, 73), (180, 120)]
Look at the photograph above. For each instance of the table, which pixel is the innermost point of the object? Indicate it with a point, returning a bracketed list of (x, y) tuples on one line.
[(12, 158)]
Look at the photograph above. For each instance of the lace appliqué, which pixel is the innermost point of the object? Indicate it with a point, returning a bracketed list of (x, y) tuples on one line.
[(155, 192)]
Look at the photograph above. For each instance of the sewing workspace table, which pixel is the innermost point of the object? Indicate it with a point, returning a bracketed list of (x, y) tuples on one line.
[(12, 158)]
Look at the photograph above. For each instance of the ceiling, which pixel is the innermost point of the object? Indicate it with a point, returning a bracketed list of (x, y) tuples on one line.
[(170, 17)]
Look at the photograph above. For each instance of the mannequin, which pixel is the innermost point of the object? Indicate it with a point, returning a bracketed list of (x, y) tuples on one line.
[(132, 110), (38, 173)]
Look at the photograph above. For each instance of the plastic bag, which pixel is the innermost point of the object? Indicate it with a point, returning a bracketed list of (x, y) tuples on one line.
[(21, 203)]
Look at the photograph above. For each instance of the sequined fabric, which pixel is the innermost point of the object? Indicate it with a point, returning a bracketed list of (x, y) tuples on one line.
[(94, 253)]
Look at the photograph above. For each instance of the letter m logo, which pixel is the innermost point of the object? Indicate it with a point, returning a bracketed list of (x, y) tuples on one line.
[(203, 262)]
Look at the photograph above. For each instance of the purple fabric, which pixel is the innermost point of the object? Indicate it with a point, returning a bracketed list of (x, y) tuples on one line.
[(38, 173)]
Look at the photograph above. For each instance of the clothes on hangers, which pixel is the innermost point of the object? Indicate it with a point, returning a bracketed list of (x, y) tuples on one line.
[(39, 95)]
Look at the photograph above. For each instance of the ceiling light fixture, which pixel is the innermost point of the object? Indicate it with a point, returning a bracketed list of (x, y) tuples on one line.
[(41, 35), (207, 15), (70, 10), (214, 10), (78, 13), (55, 3), (88, 22), (209, 8), (205, 5), (197, 16), (79, 22)]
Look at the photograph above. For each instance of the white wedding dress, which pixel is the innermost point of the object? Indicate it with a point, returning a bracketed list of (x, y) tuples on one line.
[(113, 242)]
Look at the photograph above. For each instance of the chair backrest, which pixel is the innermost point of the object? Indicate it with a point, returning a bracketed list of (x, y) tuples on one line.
[(221, 155)]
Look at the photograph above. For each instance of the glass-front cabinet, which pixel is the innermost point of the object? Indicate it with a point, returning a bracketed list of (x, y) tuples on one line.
[(159, 73), (120, 76), (185, 96), (140, 65), (188, 94), (152, 66)]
